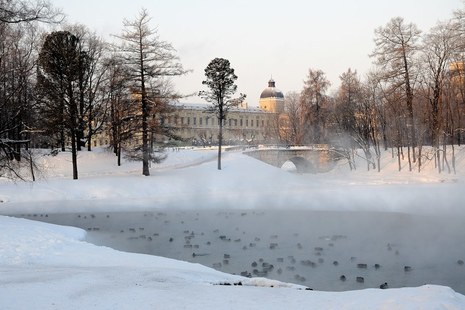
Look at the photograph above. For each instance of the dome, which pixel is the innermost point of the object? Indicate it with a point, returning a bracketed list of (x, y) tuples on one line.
[(271, 91)]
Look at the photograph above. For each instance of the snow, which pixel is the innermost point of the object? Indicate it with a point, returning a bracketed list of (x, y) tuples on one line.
[(45, 266)]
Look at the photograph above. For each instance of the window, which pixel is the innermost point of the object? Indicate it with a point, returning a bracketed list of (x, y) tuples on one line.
[(200, 120), (182, 120), (241, 122), (251, 123), (246, 123), (195, 121), (188, 121), (206, 121)]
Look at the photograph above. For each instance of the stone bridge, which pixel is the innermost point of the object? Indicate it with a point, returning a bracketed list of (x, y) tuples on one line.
[(314, 159)]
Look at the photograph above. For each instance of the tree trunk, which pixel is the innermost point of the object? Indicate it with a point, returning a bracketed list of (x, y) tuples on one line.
[(409, 95), (74, 155), (419, 157), (62, 139), (409, 159), (145, 114), (145, 146), (31, 165), (90, 133), (444, 156), (119, 154), (398, 158), (220, 142)]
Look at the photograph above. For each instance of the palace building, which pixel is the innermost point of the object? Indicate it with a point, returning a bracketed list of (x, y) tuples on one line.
[(272, 99), (244, 125)]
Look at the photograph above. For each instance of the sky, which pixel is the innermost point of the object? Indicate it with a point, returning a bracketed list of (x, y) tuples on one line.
[(263, 39)]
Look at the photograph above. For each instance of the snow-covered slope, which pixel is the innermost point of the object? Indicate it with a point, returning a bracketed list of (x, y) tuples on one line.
[(46, 266)]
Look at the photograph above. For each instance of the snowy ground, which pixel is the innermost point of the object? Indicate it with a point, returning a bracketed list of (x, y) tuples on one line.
[(44, 266)]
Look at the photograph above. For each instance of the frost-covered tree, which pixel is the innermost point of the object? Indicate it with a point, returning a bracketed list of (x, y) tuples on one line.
[(17, 64), (292, 107), (220, 81), (118, 100), (313, 100), (20, 11), (439, 47), (18, 30), (150, 63), (396, 48)]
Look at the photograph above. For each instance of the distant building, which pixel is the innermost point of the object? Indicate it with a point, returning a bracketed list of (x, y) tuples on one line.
[(272, 99), (244, 124)]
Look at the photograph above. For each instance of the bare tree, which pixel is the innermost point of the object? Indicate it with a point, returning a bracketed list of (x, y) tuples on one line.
[(118, 98), (92, 110), (350, 117), (375, 113), (438, 48), (313, 100), (150, 62), (292, 108), (395, 51), (20, 11), (17, 64)]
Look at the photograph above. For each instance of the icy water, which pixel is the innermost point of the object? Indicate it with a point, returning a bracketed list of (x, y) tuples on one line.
[(331, 251)]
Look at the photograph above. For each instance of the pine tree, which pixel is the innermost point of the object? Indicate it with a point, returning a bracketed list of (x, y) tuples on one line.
[(220, 82), (60, 65)]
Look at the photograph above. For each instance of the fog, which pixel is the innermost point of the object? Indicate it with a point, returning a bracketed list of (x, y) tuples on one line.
[(340, 230), (331, 251)]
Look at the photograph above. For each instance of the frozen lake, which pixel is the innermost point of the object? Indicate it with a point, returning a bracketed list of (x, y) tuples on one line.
[(332, 251)]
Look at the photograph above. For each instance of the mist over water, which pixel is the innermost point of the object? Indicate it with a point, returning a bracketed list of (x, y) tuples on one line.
[(334, 250)]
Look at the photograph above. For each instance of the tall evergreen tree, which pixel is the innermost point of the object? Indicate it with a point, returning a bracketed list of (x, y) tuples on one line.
[(60, 65), (220, 82), (150, 62)]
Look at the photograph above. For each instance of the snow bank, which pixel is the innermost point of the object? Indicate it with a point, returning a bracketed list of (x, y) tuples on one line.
[(47, 266)]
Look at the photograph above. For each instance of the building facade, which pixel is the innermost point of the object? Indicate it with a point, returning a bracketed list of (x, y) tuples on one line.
[(244, 124)]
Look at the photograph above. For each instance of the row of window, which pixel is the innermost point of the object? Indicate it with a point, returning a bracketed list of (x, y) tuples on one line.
[(207, 121)]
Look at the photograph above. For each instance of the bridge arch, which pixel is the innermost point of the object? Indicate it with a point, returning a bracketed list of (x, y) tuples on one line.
[(306, 160), (301, 164)]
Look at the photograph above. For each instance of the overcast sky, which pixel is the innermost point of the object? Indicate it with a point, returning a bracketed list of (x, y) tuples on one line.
[(262, 38)]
